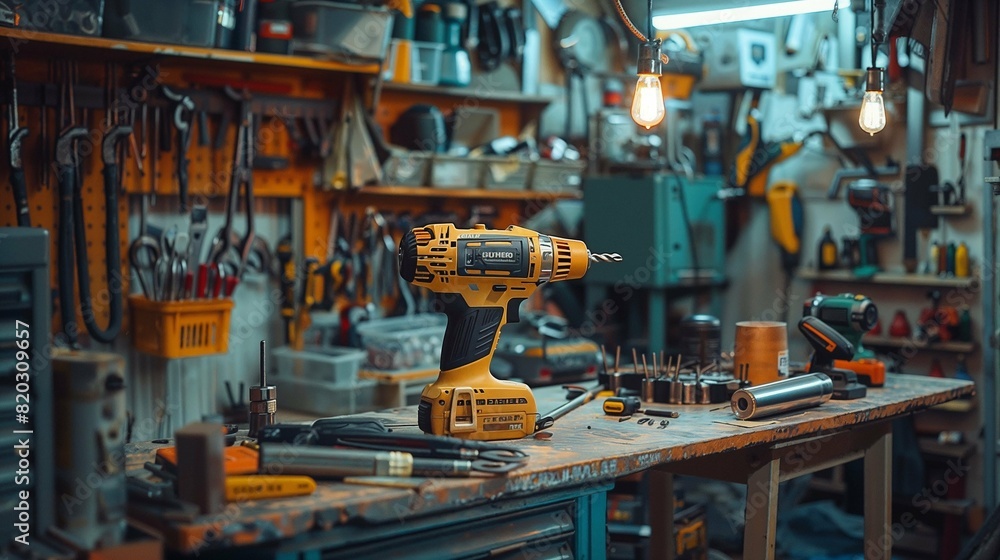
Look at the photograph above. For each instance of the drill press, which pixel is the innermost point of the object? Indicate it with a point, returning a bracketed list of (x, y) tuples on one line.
[(480, 277)]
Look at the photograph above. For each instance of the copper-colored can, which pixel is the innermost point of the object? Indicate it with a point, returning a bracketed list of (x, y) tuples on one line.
[(761, 351)]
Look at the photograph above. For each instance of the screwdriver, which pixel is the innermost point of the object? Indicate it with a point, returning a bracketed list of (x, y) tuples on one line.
[(261, 486), (626, 406)]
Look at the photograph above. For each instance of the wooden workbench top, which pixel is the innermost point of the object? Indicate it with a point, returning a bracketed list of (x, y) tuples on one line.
[(585, 447)]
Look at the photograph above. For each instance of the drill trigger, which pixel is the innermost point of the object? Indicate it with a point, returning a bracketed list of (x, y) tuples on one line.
[(514, 310)]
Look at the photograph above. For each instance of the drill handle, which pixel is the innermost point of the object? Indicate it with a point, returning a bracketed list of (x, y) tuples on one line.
[(471, 333), (828, 344)]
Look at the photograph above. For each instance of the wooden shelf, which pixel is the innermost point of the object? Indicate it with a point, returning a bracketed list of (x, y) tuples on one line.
[(430, 192), (899, 342), (472, 92), (55, 43), (892, 278), (951, 210)]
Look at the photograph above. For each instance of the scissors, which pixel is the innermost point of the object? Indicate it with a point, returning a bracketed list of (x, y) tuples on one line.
[(144, 254), (171, 267)]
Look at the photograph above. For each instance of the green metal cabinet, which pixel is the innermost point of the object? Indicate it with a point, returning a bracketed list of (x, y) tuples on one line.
[(644, 220)]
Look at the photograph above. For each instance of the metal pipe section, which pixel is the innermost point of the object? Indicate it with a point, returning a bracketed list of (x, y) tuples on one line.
[(786, 395)]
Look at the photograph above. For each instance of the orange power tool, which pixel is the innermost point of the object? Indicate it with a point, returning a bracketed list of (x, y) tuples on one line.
[(480, 277)]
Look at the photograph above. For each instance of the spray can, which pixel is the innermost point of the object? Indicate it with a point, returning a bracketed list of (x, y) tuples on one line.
[(951, 259), (456, 68), (962, 260), (827, 253), (932, 257)]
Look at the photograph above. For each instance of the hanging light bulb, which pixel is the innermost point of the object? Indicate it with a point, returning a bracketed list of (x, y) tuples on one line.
[(647, 102), (872, 117)]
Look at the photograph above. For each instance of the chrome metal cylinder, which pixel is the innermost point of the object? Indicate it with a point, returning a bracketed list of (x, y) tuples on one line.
[(782, 396), (704, 393), (690, 392), (648, 390), (677, 392)]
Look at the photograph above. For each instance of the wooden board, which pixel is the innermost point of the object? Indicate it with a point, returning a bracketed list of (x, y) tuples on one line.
[(893, 278), (586, 447)]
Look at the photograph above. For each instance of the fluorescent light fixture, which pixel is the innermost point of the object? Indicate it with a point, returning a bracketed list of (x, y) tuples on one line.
[(745, 13)]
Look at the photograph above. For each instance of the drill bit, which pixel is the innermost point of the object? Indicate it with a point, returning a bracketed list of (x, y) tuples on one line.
[(604, 360), (604, 257), (263, 398)]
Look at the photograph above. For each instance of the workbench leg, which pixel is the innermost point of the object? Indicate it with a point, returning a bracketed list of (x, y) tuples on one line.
[(592, 526), (657, 319), (661, 514), (878, 499), (761, 511)]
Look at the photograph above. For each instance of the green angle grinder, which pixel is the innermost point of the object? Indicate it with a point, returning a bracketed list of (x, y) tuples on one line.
[(851, 315)]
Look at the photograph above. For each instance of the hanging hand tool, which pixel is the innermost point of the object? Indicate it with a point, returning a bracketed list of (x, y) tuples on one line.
[(481, 277), (183, 110), (242, 179), (66, 168), (15, 135), (287, 271), (155, 162), (196, 238), (307, 300), (112, 246), (203, 132)]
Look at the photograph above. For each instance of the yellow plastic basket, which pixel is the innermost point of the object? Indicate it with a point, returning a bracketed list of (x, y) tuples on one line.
[(180, 329)]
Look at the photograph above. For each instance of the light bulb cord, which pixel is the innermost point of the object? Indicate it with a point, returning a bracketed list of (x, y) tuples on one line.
[(635, 30), (874, 46)]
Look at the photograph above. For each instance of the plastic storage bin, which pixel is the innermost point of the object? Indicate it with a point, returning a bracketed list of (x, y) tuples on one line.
[(557, 176), (326, 399), (404, 343), (179, 22), (329, 364), (180, 329), (407, 169), (427, 69), (344, 31), (456, 172), (506, 173), (72, 17)]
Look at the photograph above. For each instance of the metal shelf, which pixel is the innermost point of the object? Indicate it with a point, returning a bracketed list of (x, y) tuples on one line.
[(900, 342), (951, 210), (890, 278), (472, 92), (23, 40), (430, 192)]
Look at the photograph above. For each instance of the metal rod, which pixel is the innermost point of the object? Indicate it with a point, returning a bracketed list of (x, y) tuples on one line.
[(263, 364), (782, 396), (546, 421)]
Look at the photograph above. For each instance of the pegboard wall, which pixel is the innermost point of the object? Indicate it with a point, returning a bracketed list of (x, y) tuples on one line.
[(282, 102)]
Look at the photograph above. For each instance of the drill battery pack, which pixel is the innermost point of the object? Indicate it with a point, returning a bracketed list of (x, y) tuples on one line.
[(870, 372)]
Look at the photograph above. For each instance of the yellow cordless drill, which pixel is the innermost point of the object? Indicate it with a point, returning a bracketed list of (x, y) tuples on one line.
[(480, 277)]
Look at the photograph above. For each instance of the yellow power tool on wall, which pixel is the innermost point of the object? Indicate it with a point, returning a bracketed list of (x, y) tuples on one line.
[(480, 277)]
